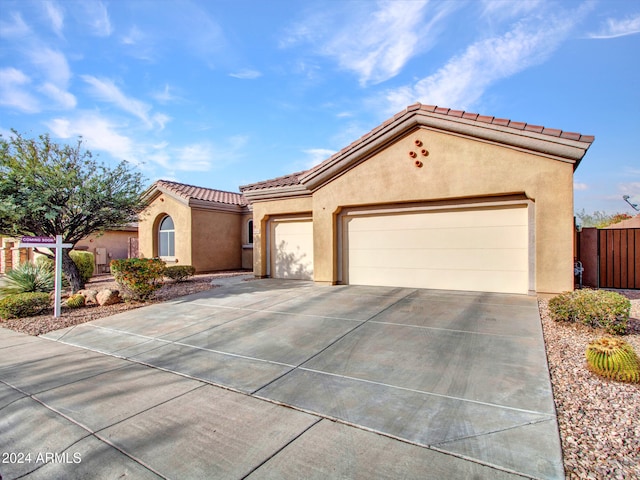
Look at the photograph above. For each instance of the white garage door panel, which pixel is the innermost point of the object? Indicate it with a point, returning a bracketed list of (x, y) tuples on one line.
[(292, 250), (469, 280), (485, 259), (474, 249), (489, 237)]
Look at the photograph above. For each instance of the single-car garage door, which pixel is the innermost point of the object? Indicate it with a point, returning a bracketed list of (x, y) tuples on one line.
[(476, 249), (292, 249)]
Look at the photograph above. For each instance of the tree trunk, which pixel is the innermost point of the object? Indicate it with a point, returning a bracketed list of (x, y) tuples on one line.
[(71, 271)]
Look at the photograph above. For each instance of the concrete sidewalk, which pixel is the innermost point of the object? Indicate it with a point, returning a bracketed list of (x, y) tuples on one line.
[(384, 383)]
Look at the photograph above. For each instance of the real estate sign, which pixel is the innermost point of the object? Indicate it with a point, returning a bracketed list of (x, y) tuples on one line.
[(52, 244)]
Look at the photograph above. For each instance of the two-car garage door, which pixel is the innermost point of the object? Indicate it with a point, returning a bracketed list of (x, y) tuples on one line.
[(476, 249)]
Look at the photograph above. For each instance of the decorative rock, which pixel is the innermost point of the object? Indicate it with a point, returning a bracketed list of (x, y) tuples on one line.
[(108, 297), (89, 295)]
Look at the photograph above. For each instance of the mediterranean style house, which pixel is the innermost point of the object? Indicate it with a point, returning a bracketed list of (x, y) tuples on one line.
[(432, 198)]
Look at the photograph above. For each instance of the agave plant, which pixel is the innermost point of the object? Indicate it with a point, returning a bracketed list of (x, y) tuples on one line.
[(613, 358), (28, 277)]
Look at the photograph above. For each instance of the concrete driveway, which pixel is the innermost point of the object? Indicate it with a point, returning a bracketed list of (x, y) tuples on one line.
[(384, 383)]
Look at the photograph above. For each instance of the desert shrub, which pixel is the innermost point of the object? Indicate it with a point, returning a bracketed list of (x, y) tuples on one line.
[(179, 273), (75, 301), (24, 304), (613, 358), (85, 262), (28, 277), (138, 277), (595, 308)]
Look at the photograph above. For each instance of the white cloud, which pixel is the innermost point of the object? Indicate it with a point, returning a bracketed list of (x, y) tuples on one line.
[(580, 186), (16, 28), (246, 74), (139, 44), (13, 93), (166, 95), (133, 37), (52, 63), (107, 91), (317, 155), (464, 79), (196, 157), (55, 15), (618, 28), (98, 133), (505, 9), (97, 16), (630, 188), (63, 98), (375, 43)]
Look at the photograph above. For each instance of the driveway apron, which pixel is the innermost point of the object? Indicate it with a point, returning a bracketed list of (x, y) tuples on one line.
[(384, 383)]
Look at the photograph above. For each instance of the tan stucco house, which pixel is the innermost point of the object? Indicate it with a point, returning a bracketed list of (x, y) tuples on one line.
[(203, 227), (432, 198)]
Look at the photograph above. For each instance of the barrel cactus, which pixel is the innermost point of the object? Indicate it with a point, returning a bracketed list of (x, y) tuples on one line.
[(75, 301), (613, 358)]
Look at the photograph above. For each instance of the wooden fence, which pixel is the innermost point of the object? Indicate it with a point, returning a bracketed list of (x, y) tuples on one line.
[(619, 258)]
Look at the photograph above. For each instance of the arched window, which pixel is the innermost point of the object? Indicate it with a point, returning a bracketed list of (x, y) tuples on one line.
[(250, 231), (166, 238)]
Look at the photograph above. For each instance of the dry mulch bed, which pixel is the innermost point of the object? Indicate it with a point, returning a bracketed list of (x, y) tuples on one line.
[(41, 324), (599, 419)]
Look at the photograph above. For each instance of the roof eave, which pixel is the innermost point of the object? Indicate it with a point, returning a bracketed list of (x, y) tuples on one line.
[(559, 148), (217, 206), (289, 191)]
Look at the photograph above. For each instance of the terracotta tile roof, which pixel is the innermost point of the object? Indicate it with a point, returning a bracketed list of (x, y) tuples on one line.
[(191, 192), (454, 115), (284, 181)]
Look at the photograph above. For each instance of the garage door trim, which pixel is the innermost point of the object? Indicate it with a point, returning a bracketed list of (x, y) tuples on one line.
[(465, 204)]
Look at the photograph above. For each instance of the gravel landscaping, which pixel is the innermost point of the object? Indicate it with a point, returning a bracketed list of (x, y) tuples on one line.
[(599, 419)]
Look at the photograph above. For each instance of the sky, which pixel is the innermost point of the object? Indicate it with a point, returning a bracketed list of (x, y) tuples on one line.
[(223, 93)]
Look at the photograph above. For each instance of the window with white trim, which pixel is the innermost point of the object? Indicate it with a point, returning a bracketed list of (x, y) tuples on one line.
[(166, 238)]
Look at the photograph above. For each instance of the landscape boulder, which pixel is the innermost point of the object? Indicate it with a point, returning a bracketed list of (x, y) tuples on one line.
[(89, 295), (108, 297)]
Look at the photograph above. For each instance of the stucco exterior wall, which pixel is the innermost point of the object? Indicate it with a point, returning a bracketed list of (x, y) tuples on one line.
[(148, 228), (216, 240), (456, 168), (262, 212), (116, 243)]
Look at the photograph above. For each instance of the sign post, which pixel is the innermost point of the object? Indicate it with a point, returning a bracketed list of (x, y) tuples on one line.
[(53, 244)]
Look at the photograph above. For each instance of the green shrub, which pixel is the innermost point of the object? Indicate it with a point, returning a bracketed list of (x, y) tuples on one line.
[(24, 305), (138, 277), (613, 358), (75, 301), (179, 273), (28, 277), (595, 308), (84, 261)]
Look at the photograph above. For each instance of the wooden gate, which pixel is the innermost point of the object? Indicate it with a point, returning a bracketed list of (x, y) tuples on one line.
[(619, 258)]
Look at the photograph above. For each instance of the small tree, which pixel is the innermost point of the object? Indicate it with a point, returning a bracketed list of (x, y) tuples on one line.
[(48, 189)]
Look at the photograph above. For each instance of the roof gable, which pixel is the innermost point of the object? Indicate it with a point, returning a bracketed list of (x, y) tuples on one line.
[(194, 196), (557, 144)]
